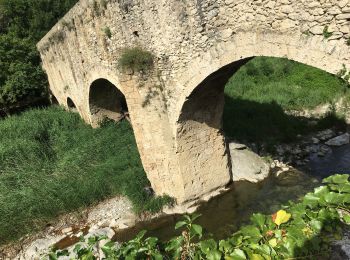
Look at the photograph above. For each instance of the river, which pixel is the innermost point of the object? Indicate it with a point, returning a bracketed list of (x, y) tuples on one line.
[(224, 214)]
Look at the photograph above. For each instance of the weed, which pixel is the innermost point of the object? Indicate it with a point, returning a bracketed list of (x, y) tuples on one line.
[(107, 32), (136, 59), (326, 33)]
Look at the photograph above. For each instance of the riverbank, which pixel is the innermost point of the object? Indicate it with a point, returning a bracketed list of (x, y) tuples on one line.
[(53, 163)]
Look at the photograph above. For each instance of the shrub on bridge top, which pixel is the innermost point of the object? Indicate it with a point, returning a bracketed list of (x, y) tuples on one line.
[(303, 230), (136, 59)]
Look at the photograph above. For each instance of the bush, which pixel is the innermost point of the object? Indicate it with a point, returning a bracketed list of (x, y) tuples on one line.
[(303, 230), (136, 59)]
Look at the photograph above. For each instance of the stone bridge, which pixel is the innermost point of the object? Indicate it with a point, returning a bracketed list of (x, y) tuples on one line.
[(176, 108)]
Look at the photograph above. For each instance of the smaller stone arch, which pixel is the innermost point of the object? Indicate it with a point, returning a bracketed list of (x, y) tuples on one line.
[(106, 101), (71, 105), (53, 100)]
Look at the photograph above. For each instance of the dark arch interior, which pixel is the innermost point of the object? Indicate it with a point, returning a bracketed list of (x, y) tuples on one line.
[(54, 100), (205, 104), (106, 101), (71, 104)]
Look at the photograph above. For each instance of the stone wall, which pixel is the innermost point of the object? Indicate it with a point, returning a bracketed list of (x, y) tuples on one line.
[(176, 109)]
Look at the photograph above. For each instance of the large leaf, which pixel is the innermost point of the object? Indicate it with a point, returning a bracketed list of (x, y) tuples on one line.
[(180, 224), (238, 254), (337, 179), (258, 219), (281, 217), (208, 245), (197, 229)]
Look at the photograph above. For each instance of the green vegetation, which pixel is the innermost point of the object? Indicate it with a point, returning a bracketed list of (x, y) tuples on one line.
[(302, 230), (326, 33), (258, 95), (22, 24), (292, 85), (52, 163), (107, 32), (136, 59)]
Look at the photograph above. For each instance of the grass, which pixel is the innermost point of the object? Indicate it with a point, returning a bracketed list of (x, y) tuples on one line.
[(52, 163), (292, 85), (258, 95)]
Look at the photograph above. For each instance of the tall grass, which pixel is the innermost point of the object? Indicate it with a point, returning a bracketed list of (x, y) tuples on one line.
[(290, 84), (258, 95), (52, 163)]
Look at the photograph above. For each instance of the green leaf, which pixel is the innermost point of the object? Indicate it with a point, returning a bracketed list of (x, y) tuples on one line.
[(208, 245), (257, 257), (258, 219), (141, 235), (180, 224), (337, 179), (157, 256), (311, 200), (251, 231), (316, 225), (52, 256), (347, 219), (214, 255), (335, 198), (344, 187), (238, 254), (197, 229), (273, 242), (195, 216)]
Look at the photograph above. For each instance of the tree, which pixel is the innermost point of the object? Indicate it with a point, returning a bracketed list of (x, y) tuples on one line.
[(22, 24)]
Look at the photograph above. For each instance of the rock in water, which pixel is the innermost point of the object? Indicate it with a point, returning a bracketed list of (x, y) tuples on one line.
[(247, 165), (339, 140)]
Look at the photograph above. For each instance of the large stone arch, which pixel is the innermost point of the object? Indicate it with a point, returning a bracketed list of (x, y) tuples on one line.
[(200, 144)]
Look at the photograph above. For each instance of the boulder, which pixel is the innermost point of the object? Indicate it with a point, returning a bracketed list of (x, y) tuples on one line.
[(339, 140), (247, 165)]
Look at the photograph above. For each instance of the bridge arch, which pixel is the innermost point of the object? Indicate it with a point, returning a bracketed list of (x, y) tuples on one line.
[(106, 101), (71, 105), (199, 139)]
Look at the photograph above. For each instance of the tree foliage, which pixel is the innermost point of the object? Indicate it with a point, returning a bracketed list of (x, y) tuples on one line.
[(22, 24)]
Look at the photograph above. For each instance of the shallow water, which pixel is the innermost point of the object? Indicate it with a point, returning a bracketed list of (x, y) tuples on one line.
[(336, 162), (224, 214)]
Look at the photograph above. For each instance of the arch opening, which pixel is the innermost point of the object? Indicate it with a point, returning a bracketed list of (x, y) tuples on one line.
[(201, 136), (54, 101), (71, 105), (106, 101)]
